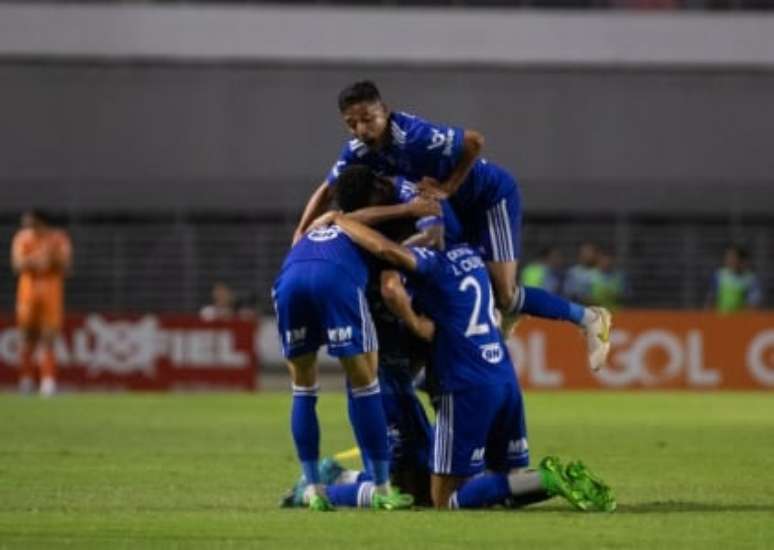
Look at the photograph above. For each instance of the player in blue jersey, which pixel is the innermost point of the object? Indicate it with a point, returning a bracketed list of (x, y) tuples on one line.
[(480, 423), (319, 298), (485, 197)]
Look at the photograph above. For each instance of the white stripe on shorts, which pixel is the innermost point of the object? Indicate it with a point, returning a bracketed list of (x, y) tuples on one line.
[(500, 234), (444, 436), (367, 329)]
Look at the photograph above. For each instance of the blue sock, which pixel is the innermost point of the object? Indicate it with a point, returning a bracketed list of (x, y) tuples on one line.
[(351, 494), (306, 430), (481, 492), (370, 426), (350, 410), (541, 303)]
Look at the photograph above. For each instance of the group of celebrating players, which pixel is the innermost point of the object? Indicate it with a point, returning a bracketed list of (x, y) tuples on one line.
[(415, 272)]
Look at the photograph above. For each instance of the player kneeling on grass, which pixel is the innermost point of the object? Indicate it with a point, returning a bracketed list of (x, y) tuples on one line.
[(480, 421), (319, 299)]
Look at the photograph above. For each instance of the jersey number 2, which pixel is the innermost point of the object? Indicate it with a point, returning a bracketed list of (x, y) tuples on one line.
[(475, 327)]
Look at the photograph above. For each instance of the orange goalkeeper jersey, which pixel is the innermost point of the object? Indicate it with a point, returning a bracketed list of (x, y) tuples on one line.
[(45, 258)]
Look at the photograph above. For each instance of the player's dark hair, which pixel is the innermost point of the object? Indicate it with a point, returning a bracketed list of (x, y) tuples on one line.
[(359, 92), (397, 230), (42, 216), (354, 188), (740, 250)]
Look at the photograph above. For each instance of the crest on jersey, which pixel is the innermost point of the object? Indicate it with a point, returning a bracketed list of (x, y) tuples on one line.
[(322, 234)]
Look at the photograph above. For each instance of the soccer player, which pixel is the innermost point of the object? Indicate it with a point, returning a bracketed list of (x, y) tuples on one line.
[(409, 431), (401, 355), (445, 160), (41, 256), (319, 298), (480, 422)]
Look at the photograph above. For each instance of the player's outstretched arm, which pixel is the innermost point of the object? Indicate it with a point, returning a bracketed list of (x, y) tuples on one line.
[(376, 243), (317, 204), (417, 208), (398, 302)]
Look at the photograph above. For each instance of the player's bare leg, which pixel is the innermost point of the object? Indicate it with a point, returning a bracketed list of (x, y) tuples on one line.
[(442, 487), (361, 369), (506, 291), (29, 344), (48, 363)]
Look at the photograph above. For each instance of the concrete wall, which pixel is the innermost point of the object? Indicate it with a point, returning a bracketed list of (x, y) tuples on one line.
[(146, 107), (385, 35), (250, 136)]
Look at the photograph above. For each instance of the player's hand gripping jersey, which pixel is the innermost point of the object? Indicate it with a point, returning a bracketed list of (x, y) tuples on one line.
[(406, 191)]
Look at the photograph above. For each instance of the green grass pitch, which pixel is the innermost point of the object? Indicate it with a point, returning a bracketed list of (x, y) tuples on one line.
[(690, 470)]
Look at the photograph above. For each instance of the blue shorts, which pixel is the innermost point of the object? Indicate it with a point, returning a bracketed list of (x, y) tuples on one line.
[(409, 432), (489, 207), (496, 232), (480, 428), (317, 303)]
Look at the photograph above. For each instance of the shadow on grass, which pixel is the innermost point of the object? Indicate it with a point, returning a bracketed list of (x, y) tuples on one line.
[(676, 506), (666, 507)]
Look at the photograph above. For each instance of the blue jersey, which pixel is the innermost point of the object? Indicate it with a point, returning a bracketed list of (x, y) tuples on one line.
[(406, 191), (331, 244), (418, 149), (453, 289)]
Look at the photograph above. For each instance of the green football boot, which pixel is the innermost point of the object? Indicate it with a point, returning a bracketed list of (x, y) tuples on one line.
[(555, 483), (329, 471), (594, 490), (294, 497), (394, 500), (320, 503)]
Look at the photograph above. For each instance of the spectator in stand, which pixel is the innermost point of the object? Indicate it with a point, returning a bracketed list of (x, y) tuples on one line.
[(734, 286), (41, 256), (545, 272), (609, 286), (579, 278), (223, 304)]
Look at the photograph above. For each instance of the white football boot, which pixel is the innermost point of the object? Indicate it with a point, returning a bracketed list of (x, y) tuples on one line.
[(596, 326)]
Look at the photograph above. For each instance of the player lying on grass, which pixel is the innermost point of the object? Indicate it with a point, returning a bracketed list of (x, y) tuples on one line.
[(480, 423), (319, 298), (485, 197)]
